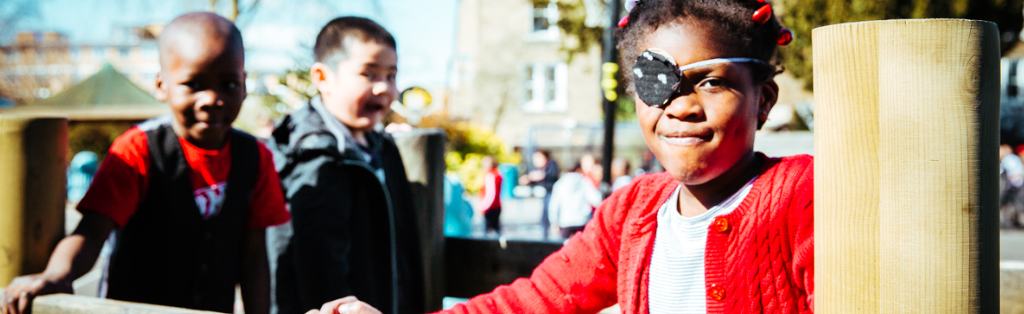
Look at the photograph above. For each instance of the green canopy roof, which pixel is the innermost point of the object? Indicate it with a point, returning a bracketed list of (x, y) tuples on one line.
[(104, 89), (107, 95)]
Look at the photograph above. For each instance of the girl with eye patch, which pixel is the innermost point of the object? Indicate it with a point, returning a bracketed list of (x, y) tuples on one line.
[(724, 229)]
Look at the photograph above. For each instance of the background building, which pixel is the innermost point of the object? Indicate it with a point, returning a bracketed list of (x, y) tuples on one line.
[(510, 74), (41, 64)]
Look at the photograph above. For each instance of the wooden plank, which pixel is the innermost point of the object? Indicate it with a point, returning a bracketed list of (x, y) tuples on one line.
[(921, 217), (477, 266), (76, 304)]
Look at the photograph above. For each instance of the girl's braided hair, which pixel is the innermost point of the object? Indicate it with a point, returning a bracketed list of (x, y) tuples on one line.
[(730, 18)]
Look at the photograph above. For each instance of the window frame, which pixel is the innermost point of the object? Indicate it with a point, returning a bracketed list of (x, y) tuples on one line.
[(552, 33), (546, 91)]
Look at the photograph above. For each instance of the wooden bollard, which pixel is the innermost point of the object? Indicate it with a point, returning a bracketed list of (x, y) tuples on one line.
[(423, 156), (906, 146), (33, 158)]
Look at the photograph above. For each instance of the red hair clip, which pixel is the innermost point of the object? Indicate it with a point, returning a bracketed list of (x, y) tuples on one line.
[(762, 15), (785, 36), (630, 4)]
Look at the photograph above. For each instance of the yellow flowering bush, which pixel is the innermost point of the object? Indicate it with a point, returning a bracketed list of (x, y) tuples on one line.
[(468, 143)]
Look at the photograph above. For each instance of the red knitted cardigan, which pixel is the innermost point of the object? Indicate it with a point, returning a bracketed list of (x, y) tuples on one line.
[(761, 260)]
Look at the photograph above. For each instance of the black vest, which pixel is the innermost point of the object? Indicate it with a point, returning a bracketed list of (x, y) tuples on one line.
[(167, 254)]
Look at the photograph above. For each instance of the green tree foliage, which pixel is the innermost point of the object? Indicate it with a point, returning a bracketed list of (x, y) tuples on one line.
[(94, 136), (468, 143), (802, 16), (581, 33)]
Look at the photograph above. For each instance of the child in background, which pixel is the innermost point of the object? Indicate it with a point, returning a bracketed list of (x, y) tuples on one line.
[(620, 173), (573, 200), (354, 225), (490, 199), (545, 173), (725, 229), (189, 196)]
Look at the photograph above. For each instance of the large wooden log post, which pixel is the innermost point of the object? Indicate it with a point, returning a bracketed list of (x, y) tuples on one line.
[(423, 155), (906, 167), (33, 158)]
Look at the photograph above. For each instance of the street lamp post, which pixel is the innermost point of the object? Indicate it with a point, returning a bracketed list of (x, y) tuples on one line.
[(609, 67)]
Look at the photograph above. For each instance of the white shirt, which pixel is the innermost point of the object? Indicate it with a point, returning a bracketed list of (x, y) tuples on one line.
[(1014, 169), (677, 263), (573, 199)]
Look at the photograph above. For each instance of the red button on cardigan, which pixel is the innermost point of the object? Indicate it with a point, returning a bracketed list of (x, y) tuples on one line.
[(716, 292), (720, 225)]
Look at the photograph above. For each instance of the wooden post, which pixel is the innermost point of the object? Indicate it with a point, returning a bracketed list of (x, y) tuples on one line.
[(906, 167), (423, 156), (33, 158)]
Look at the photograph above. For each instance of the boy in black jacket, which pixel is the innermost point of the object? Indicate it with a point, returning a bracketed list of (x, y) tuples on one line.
[(345, 183)]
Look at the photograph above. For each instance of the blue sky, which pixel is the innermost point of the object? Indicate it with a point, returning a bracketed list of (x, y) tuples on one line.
[(278, 34)]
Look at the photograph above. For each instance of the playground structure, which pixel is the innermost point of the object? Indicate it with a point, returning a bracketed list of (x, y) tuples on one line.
[(905, 182)]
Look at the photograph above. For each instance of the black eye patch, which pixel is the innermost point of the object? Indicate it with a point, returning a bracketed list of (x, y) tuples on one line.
[(656, 75), (656, 78)]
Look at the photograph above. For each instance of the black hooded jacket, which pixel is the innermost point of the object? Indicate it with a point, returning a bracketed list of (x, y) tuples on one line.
[(351, 234)]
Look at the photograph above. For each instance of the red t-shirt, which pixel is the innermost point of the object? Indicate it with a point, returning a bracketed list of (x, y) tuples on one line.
[(491, 198), (121, 181)]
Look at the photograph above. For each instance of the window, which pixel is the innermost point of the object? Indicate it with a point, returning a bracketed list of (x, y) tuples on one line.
[(544, 87), (123, 52), (74, 53), (544, 19), (148, 78), (12, 56), (150, 53), (99, 53), (540, 18), (528, 84)]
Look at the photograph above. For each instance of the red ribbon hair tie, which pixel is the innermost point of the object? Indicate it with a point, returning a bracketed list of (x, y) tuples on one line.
[(762, 15), (785, 36)]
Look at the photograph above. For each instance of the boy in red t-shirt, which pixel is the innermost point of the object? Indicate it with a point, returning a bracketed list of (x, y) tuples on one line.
[(188, 196)]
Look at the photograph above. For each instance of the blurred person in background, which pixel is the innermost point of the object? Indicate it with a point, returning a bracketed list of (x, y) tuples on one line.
[(1011, 178), (545, 173), (620, 173), (490, 200), (590, 167), (573, 199), (80, 172)]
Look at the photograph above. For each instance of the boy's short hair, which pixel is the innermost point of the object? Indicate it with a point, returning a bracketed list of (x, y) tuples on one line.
[(330, 43)]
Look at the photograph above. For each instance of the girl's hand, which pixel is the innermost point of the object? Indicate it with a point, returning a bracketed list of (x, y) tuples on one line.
[(346, 305)]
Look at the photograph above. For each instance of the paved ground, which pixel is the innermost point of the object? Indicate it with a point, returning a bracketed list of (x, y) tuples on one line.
[(1011, 245), (520, 219)]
